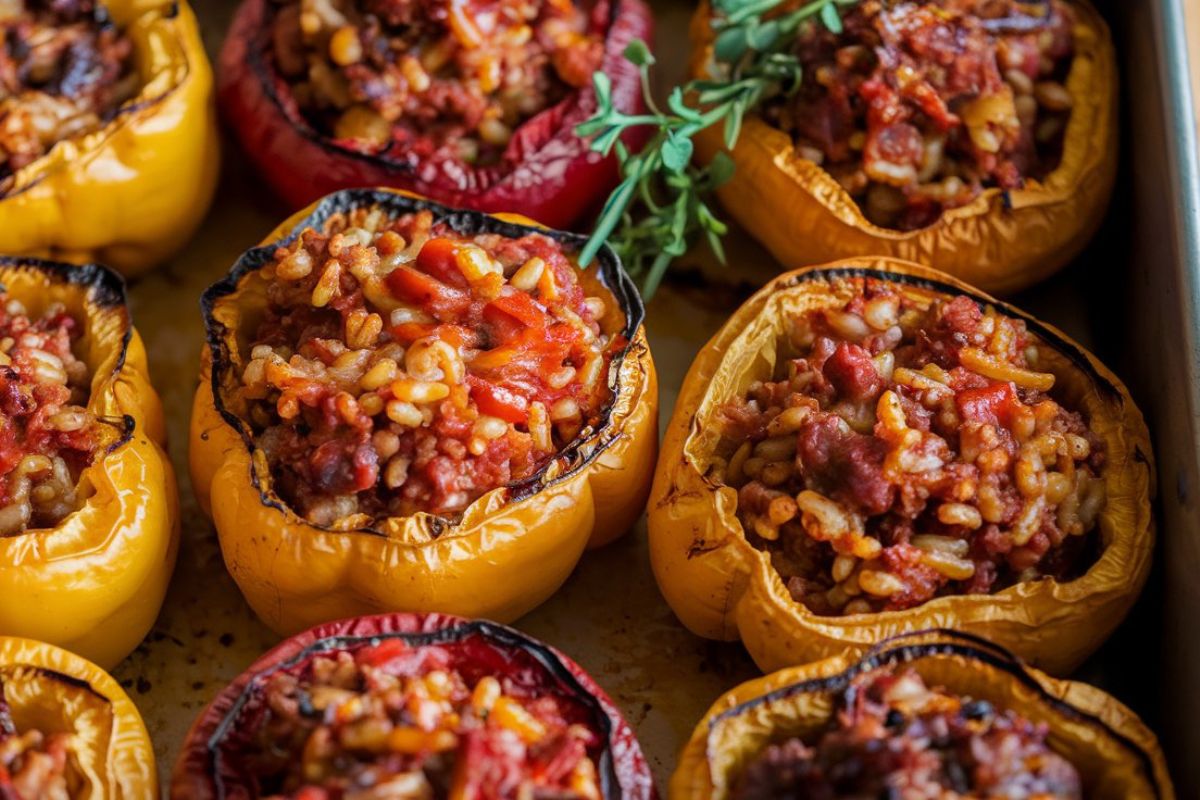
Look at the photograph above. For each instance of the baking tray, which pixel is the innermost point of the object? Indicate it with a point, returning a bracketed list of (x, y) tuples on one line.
[(1141, 276)]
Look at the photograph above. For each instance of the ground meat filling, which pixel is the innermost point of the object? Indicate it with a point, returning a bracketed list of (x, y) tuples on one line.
[(894, 737), (389, 721), (47, 435), (404, 367), (917, 107), (33, 765), (435, 80), (910, 452), (65, 69)]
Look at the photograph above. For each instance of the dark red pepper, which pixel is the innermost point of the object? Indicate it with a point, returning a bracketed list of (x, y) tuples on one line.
[(552, 176), (209, 766)]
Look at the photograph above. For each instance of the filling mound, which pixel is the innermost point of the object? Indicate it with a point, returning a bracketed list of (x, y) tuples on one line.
[(895, 737), (65, 70), (435, 81), (401, 366), (909, 452), (392, 721), (47, 435), (917, 107)]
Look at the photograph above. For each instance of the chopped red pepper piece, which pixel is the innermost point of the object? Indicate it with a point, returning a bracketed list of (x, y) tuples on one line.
[(497, 401), (439, 258), (434, 296), (516, 307)]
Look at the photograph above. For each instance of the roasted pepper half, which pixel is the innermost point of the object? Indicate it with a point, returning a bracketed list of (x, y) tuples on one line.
[(1110, 749), (1003, 239), (903, 518), (94, 581), (67, 729), (545, 171), (134, 191), (352, 464), (500, 715)]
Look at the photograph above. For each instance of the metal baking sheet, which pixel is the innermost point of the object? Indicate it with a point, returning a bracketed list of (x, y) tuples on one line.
[(609, 616)]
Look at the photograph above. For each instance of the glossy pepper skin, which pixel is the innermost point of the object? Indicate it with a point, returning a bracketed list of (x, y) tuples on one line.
[(132, 193), (510, 550), (53, 690), (722, 587), (624, 773), (556, 179), (94, 584), (1002, 241), (1116, 754)]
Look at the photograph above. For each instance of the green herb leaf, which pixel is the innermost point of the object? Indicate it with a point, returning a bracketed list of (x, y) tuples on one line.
[(831, 19), (730, 45), (659, 209), (638, 53), (676, 152)]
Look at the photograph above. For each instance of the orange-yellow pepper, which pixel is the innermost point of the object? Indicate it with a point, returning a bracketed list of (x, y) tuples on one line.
[(722, 587), (94, 583), (53, 691), (132, 193), (1002, 241), (1116, 754), (506, 554)]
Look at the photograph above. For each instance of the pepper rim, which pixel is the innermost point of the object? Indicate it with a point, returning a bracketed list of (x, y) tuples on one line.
[(905, 648), (508, 638), (609, 271)]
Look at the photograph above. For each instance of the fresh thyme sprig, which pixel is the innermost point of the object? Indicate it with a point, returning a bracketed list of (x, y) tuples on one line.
[(659, 208)]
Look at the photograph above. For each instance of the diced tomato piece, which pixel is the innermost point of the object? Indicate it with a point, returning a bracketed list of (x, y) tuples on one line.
[(497, 401), (992, 404), (442, 301), (518, 307), (439, 258)]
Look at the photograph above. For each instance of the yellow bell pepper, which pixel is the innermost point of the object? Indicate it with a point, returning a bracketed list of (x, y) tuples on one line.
[(1116, 754), (504, 556), (722, 587), (1002, 241), (94, 583), (53, 691), (133, 192)]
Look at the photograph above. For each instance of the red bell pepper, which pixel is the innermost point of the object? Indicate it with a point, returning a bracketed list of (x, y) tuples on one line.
[(548, 173), (211, 762)]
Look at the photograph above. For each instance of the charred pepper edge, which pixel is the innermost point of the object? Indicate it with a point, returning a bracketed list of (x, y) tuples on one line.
[(106, 290), (170, 12), (267, 75), (59, 677), (506, 637), (609, 271), (894, 651)]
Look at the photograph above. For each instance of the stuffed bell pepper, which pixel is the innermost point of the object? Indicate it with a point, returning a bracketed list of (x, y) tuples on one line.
[(871, 447), (405, 407), (108, 141), (976, 136), (67, 730), (415, 706), (930, 714), (472, 104), (88, 503)]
